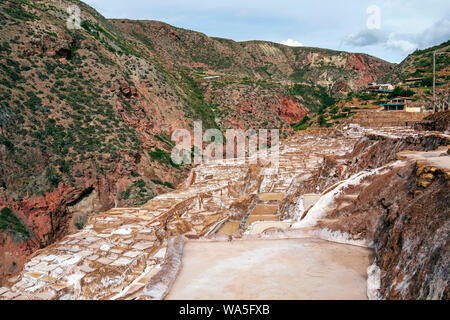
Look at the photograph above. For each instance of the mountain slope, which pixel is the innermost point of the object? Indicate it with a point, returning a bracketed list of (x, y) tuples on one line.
[(420, 64), (257, 78), (83, 128), (256, 59)]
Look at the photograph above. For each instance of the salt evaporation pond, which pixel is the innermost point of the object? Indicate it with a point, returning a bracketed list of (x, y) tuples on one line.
[(291, 269)]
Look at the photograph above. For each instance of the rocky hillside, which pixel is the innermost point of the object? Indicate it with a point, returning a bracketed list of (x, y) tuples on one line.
[(257, 60), (84, 126), (86, 114), (416, 72), (419, 64)]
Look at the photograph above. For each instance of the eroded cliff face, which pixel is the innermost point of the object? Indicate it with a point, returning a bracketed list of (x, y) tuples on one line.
[(395, 200), (436, 122), (253, 106), (370, 152), (45, 219), (408, 223), (411, 240)]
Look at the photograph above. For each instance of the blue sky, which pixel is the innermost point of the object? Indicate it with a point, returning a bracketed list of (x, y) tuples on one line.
[(390, 30)]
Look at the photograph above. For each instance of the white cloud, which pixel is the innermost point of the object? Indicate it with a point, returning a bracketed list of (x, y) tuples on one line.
[(401, 43), (292, 43), (405, 46), (439, 32), (365, 37)]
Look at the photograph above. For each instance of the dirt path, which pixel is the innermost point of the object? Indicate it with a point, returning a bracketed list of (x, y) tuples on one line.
[(271, 269)]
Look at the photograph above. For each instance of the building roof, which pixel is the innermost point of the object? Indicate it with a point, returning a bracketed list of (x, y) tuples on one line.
[(211, 77), (404, 98), (413, 79)]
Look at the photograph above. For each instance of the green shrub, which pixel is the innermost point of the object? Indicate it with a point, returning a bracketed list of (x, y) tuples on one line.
[(8, 144), (125, 195), (140, 184), (80, 222), (400, 92), (17, 11), (302, 125), (427, 82), (52, 176), (347, 109), (299, 75), (316, 98), (169, 185), (368, 96), (165, 138), (162, 157), (321, 120), (10, 223)]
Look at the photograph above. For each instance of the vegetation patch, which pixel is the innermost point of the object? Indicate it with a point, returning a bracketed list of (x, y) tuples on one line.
[(163, 157), (11, 224), (52, 176), (301, 125), (16, 10), (316, 98), (165, 138), (200, 110), (166, 184), (137, 194), (8, 144), (80, 222), (400, 92)]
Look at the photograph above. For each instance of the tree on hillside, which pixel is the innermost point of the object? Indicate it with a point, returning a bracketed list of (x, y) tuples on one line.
[(321, 120), (400, 92), (427, 82)]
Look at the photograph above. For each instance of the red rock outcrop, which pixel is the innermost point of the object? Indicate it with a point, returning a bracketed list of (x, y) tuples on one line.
[(291, 110), (46, 220), (13, 255)]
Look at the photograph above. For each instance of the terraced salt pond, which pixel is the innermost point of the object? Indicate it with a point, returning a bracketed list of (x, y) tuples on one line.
[(292, 269), (120, 253)]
